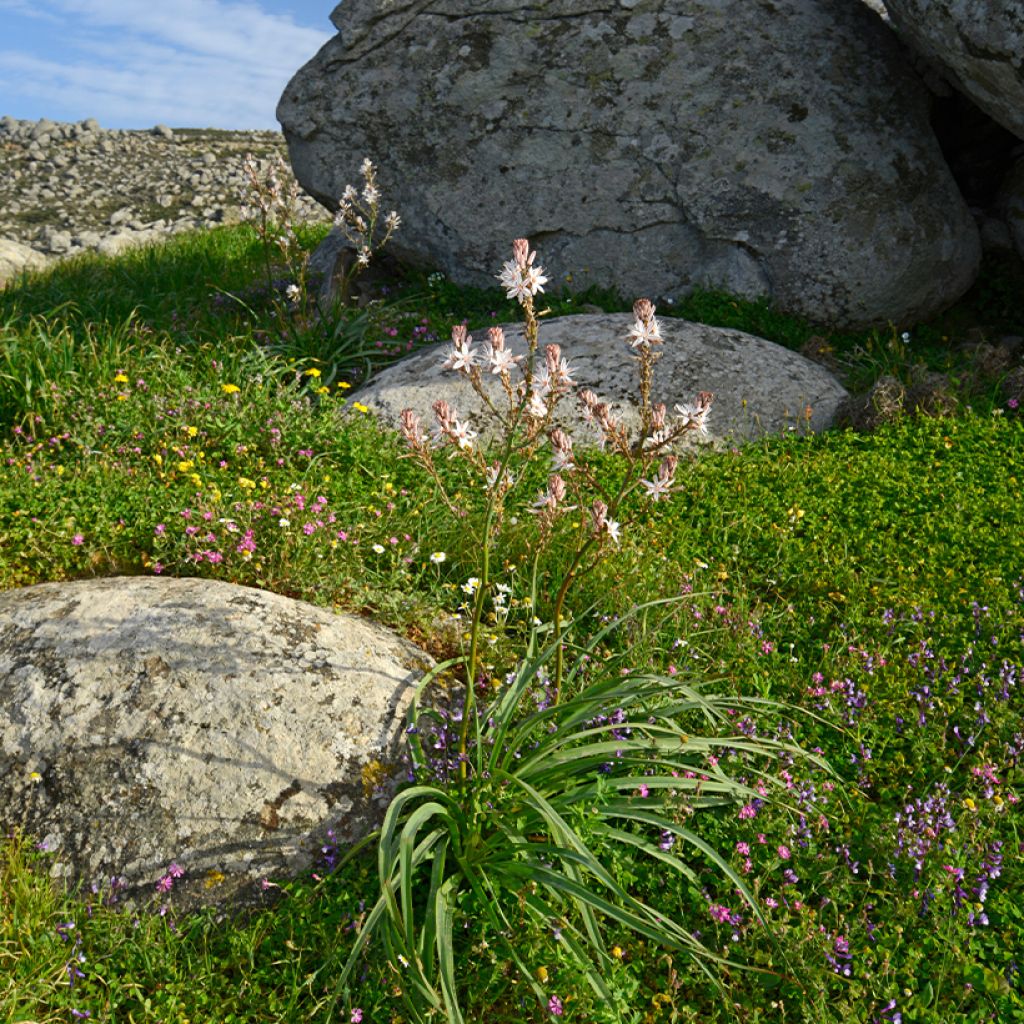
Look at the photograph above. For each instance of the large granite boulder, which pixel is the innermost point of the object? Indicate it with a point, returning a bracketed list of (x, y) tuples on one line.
[(979, 44), (759, 387), (778, 149), (146, 721)]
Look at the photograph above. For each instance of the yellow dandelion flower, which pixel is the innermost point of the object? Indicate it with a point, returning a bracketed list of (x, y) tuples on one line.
[(122, 397), (120, 379), (230, 389), (359, 407), (323, 391), (344, 385), (192, 431), (312, 372)]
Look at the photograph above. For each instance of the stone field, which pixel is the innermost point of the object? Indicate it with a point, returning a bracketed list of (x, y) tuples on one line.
[(68, 188)]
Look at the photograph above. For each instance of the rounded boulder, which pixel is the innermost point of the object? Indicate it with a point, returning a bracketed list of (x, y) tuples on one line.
[(225, 730)]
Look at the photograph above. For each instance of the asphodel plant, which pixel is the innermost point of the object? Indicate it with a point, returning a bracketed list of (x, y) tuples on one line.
[(509, 800)]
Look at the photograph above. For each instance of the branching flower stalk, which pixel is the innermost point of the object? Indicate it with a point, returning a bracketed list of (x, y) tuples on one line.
[(308, 328), (273, 209), (527, 421), (357, 217)]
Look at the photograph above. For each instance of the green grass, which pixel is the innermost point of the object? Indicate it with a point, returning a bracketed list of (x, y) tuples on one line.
[(871, 582)]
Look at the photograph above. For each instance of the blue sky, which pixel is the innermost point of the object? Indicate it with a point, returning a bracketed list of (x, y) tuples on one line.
[(137, 63)]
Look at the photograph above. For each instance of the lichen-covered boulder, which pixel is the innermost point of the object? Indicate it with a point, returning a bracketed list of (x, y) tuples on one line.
[(979, 44), (146, 721), (759, 387), (778, 149)]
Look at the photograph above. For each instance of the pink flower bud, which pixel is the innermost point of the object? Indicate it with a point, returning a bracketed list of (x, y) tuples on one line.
[(411, 429), (553, 353), (520, 252), (643, 310)]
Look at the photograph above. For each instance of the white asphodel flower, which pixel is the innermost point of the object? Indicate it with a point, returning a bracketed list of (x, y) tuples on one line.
[(613, 529), (519, 277), (502, 361), (462, 435), (657, 488), (644, 333)]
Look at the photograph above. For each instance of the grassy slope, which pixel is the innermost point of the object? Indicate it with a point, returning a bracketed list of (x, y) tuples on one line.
[(845, 555)]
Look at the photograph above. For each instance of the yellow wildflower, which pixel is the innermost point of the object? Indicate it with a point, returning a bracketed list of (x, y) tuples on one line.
[(312, 372), (158, 459), (344, 385), (230, 389), (246, 483), (192, 431), (120, 379), (185, 467), (542, 975), (359, 407)]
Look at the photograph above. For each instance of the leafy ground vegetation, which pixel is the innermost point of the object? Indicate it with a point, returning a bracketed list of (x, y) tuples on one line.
[(842, 616)]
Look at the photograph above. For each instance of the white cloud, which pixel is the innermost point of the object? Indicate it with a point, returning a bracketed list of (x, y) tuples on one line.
[(191, 63)]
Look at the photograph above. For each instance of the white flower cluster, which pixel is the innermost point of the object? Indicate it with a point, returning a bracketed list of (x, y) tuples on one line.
[(531, 403)]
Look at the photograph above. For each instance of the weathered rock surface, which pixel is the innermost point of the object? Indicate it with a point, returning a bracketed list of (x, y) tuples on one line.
[(1011, 201), (759, 387), (978, 43), (16, 257), (69, 188), (649, 145), (145, 721)]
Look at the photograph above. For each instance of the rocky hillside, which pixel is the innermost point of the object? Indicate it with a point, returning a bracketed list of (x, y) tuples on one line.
[(66, 188)]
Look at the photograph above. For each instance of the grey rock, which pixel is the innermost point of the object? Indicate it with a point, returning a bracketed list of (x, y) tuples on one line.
[(652, 149), (759, 387), (43, 129), (995, 234), (978, 44), (163, 131), (146, 720), (56, 241), (16, 257), (119, 241), (1011, 204)]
